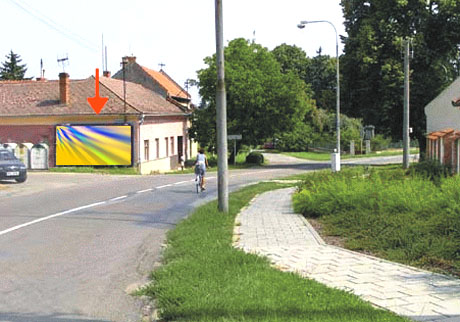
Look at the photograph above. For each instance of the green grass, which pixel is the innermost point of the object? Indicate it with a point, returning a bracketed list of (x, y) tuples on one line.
[(118, 171), (388, 212), (325, 156), (203, 278)]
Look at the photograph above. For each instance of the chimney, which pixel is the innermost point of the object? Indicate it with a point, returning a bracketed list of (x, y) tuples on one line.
[(64, 88), (106, 73), (129, 59)]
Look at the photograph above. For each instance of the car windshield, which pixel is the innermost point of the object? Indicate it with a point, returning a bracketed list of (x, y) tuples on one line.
[(6, 155)]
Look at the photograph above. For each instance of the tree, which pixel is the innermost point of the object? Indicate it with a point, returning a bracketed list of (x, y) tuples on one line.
[(372, 64), (319, 72), (11, 69), (261, 101), (292, 59)]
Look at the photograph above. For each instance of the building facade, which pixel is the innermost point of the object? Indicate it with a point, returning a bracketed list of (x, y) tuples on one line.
[(31, 110)]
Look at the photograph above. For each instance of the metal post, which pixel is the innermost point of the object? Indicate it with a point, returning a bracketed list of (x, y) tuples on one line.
[(335, 161), (221, 121), (337, 120), (234, 152), (406, 106)]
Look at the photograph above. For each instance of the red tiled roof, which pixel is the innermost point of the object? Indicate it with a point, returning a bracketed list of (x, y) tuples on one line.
[(140, 97), (167, 83), (19, 98), (439, 134)]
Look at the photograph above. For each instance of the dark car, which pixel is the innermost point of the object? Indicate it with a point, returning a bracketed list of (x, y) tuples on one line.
[(11, 168)]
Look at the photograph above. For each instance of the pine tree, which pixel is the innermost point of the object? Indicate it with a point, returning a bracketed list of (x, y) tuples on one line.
[(11, 69)]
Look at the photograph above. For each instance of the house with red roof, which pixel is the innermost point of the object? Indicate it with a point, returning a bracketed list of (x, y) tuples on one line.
[(31, 110), (158, 81), (443, 127)]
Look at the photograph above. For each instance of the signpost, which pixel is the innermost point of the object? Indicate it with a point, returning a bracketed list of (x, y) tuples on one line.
[(234, 137)]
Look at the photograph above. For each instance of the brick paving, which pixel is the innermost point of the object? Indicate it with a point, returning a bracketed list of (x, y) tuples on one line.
[(269, 227)]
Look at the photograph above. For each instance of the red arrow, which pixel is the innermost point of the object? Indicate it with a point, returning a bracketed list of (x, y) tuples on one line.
[(97, 102)]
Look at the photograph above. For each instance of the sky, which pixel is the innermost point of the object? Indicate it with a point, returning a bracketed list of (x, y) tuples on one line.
[(176, 33)]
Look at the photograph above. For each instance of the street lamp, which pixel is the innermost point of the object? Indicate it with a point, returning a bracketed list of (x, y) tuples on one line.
[(336, 158)]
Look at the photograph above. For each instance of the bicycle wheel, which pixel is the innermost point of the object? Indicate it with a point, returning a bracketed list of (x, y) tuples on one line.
[(197, 184)]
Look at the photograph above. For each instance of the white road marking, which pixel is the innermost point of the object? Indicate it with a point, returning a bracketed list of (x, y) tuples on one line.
[(146, 190), (180, 182), (118, 198), (166, 185), (50, 217), (250, 173)]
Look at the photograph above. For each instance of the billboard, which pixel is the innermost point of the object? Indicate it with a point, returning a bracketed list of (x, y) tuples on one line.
[(94, 145)]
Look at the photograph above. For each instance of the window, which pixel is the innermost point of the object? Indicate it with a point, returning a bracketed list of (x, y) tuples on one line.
[(172, 145), (157, 143), (167, 147), (146, 150)]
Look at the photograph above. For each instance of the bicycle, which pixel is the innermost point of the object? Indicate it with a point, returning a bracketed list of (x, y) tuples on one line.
[(198, 180)]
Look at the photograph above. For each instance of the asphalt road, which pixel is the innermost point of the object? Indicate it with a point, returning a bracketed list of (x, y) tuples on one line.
[(73, 245)]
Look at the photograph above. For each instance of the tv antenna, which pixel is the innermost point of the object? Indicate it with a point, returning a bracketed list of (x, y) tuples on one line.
[(42, 71), (63, 62)]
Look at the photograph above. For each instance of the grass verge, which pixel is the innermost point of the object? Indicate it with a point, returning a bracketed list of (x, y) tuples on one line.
[(321, 156), (203, 278), (117, 171), (389, 212)]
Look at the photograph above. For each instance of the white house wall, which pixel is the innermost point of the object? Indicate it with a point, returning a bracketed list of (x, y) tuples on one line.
[(440, 114), (160, 130)]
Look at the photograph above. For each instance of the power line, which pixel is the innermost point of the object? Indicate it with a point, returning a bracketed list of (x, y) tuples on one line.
[(67, 33)]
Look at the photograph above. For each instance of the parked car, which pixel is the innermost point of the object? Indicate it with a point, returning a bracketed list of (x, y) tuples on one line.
[(268, 145), (11, 168)]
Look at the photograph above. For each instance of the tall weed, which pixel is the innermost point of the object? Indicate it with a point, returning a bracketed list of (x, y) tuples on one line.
[(404, 217)]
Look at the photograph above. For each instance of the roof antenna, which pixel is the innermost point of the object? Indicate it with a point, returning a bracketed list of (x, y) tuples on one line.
[(161, 66), (63, 62), (103, 52), (42, 71), (105, 59)]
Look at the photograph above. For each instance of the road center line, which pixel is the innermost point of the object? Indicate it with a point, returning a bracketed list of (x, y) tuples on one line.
[(118, 198), (180, 182), (50, 217), (146, 190), (166, 185)]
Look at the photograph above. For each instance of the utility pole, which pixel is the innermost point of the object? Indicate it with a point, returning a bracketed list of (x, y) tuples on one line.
[(406, 139), (221, 121)]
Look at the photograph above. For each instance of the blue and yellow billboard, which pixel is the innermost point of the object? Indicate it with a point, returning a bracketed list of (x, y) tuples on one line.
[(94, 145)]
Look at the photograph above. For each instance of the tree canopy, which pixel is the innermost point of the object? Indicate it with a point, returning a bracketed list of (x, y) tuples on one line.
[(372, 64), (262, 101), (11, 68)]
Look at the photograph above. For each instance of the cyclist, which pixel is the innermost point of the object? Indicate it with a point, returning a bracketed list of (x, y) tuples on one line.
[(200, 166)]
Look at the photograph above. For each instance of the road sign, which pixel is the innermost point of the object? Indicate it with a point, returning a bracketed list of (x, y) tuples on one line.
[(234, 137)]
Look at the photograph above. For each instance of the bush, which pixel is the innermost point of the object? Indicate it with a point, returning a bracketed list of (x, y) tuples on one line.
[(189, 163), (212, 160), (431, 169), (379, 143), (255, 158)]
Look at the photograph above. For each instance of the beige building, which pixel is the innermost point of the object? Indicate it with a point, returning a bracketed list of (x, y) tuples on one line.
[(443, 127), (31, 110)]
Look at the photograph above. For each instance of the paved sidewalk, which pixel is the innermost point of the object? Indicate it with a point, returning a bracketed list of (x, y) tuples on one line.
[(269, 227)]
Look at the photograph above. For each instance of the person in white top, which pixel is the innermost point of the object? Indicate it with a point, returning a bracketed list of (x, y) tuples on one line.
[(201, 165)]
